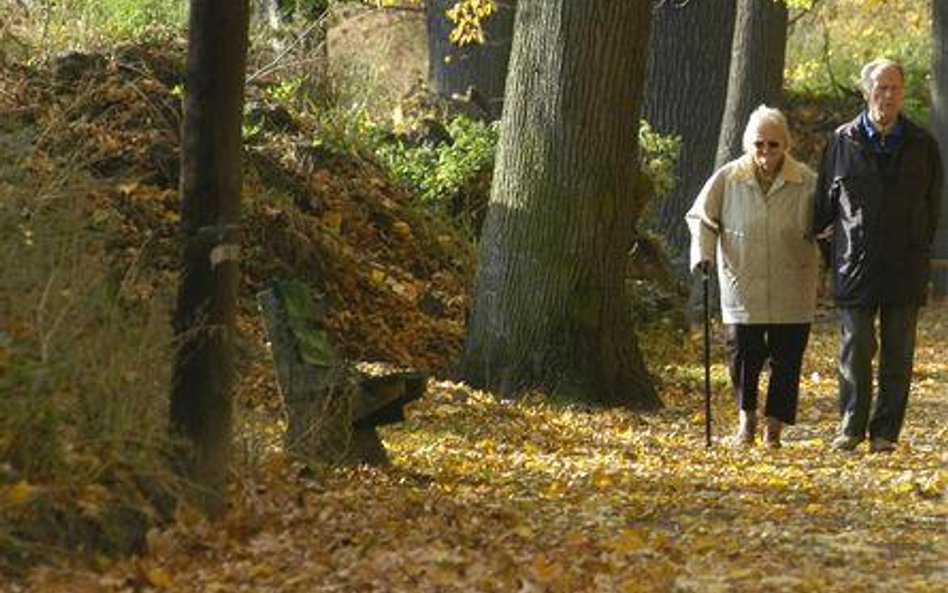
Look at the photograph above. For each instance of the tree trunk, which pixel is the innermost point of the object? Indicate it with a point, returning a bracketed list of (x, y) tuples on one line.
[(756, 73), (689, 54), (940, 128), (551, 311), (210, 204), (476, 73)]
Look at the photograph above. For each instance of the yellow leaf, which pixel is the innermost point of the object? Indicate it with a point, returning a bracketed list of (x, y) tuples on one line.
[(21, 492), (544, 570), (704, 543), (128, 188), (602, 480), (332, 220), (402, 229), (905, 487), (524, 531), (629, 540), (263, 570), (556, 488), (377, 277), (157, 577)]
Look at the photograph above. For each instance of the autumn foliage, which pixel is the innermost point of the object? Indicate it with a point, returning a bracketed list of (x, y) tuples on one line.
[(488, 495)]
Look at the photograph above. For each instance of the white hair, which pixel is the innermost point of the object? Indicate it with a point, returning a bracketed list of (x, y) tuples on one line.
[(871, 71), (761, 116)]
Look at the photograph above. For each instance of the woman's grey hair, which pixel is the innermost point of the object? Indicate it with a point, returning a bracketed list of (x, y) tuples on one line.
[(761, 116), (871, 71)]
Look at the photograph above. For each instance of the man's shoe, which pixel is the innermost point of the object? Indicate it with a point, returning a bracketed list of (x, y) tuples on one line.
[(881, 445), (772, 430), (845, 442)]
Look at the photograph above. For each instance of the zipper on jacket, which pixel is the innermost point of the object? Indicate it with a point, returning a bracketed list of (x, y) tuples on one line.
[(767, 257)]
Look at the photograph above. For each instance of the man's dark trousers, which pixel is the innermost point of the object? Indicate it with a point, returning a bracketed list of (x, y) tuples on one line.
[(858, 346)]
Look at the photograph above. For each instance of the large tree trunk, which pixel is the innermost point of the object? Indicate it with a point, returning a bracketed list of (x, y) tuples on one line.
[(210, 204), (940, 127), (551, 311), (756, 73), (689, 54), (475, 72)]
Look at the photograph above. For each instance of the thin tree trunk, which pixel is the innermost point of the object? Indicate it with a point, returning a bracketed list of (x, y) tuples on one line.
[(940, 128), (210, 204), (756, 72), (476, 73), (689, 54), (551, 312)]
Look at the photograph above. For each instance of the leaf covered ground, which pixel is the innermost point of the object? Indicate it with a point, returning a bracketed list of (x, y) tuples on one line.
[(486, 495)]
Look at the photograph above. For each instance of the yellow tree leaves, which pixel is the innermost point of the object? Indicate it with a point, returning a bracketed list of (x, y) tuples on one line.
[(468, 17)]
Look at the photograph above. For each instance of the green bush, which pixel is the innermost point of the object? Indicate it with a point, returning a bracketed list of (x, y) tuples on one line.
[(437, 171)]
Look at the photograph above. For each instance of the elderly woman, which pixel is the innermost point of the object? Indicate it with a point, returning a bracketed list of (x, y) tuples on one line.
[(752, 222)]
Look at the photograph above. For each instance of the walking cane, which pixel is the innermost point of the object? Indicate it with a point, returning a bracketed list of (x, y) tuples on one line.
[(707, 355)]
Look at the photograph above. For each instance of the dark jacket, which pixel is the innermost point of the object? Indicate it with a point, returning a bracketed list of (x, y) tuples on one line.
[(880, 217)]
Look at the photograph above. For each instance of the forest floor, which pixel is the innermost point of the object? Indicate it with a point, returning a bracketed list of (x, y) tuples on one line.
[(486, 495)]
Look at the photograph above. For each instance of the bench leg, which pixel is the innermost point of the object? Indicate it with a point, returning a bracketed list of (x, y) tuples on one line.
[(366, 447)]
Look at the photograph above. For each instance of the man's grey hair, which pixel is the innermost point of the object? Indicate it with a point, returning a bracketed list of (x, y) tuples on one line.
[(761, 116), (871, 71)]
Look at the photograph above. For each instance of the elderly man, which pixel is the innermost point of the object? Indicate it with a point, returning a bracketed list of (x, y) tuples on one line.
[(876, 208)]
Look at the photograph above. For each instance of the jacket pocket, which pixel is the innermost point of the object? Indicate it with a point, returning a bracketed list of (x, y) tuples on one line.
[(733, 246)]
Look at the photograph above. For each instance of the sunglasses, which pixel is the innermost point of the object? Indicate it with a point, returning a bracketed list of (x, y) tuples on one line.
[(758, 144)]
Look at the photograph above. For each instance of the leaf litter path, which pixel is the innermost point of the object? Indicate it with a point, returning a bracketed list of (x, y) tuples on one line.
[(492, 496)]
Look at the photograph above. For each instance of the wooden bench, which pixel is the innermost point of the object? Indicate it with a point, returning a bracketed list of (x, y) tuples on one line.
[(333, 411)]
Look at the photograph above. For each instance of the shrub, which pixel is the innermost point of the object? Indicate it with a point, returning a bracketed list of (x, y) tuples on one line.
[(437, 169), (84, 364)]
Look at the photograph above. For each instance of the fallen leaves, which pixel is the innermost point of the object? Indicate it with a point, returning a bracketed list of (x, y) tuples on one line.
[(530, 497), (498, 496)]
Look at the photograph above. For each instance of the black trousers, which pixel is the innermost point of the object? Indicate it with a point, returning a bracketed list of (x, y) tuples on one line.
[(858, 346), (778, 345)]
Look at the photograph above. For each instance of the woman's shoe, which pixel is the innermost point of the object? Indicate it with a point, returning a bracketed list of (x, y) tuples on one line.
[(845, 442), (772, 429), (746, 430)]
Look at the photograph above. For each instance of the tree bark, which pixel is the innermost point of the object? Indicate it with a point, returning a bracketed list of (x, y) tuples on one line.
[(940, 128), (475, 72), (756, 71), (551, 311), (210, 204), (689, 54)]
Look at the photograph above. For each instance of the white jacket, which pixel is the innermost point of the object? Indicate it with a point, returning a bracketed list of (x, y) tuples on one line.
[(766, 261)]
